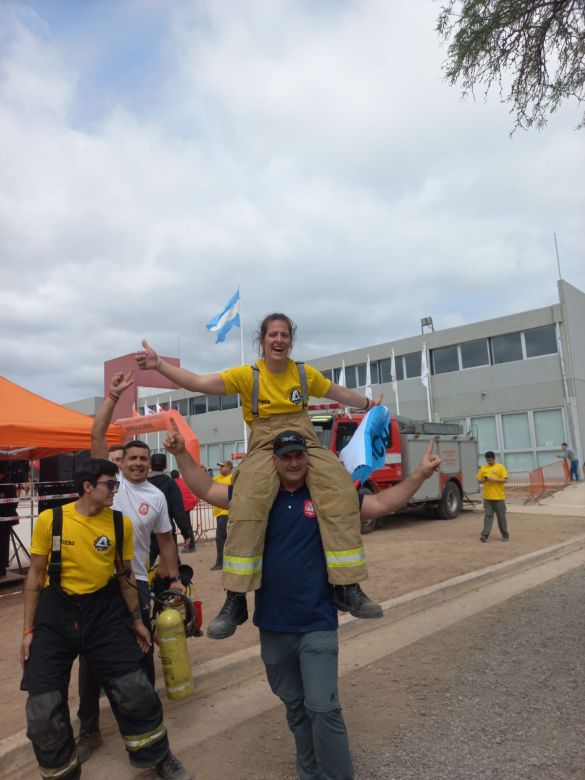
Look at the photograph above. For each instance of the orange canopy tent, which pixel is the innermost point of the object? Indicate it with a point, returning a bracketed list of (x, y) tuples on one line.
[(32, 427)]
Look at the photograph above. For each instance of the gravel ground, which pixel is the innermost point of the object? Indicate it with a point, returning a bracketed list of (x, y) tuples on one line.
[(498, 697)]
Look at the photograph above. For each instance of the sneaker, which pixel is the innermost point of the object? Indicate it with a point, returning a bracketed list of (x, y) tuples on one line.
[(505, 538), (482, 539), (352, 599), (216, 567), (233, 613), (189, 546), (87, 743), (170, 768)]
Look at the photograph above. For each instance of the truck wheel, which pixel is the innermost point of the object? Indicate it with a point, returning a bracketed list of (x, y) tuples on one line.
[(451, 501), (368, 526)]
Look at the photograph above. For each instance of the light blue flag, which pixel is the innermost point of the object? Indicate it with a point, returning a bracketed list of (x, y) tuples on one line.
[(366, 450), (227, 319)]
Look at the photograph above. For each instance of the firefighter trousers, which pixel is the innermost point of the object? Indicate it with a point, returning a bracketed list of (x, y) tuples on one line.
[(255, 487), (98, 626)]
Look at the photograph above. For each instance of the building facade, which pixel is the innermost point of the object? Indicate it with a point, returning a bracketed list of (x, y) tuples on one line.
[(517, 382)]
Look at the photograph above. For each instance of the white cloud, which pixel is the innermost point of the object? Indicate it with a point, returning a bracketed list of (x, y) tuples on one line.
[(310, 152)]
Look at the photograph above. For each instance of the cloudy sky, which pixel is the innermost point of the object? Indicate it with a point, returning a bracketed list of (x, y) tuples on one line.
[(156, 153)]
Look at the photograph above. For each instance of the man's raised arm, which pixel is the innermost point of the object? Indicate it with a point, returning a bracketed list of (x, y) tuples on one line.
[(103, 417), (394, 498), (197, 479)]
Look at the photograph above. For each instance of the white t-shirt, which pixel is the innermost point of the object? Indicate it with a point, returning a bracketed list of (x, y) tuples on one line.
[(146, 507)]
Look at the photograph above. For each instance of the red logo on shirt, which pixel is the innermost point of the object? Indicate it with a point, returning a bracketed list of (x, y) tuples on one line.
[(309, 509), (143, 508)]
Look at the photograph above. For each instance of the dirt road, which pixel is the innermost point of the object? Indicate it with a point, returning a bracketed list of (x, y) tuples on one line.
[(404, 555)]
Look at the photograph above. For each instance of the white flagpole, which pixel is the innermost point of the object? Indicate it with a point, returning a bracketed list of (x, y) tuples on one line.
[(368, 388), (425, 378), (242, 356), (394, 381)]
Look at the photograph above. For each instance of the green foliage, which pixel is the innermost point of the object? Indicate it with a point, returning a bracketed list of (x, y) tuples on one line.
[(533, 51)]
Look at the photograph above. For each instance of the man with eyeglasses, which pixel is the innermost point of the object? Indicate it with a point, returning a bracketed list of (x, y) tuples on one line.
[(80, 597), (146, 507)]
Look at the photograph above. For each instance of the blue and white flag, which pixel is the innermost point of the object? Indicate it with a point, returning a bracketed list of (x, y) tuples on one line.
[(227, 319), (366, 450)]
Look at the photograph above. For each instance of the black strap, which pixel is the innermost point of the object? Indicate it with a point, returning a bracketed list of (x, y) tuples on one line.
[(256, 384), (54, 569), (119, 536)]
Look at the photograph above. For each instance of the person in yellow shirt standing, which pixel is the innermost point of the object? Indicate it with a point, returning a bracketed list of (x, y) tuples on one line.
[(493, 477), (221, 515)]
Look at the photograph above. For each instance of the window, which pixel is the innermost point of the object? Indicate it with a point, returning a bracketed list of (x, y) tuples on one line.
[(475, 353), (213, 455), (519, 461), (362, 373), (548, 428), (328, 373), (412, 365), (198, 404), (182, 406), (485, 430), (516, 431), (540, 341), (213, 403), (229, 401), (165, 406), (350, 376), (507, 348), (445, 359)]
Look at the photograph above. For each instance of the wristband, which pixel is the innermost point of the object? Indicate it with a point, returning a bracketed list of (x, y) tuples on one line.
[(113, 397), (174, 579), (366, 407), (27, 631)]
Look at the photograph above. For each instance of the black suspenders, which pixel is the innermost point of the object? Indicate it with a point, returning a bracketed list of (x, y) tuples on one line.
[(54, 569), (256, 384)]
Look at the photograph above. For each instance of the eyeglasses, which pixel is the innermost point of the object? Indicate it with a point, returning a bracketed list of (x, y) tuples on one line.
[(111, 484)]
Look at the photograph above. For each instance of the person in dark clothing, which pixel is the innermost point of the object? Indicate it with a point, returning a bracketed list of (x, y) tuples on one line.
[(177, 514)]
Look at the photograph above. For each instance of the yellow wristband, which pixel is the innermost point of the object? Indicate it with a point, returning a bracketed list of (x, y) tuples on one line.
[(26, 631)]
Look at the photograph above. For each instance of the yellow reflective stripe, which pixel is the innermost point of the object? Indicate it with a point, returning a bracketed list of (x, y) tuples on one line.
[(243, 566), (139, 741), (61, 771), (337, 559)]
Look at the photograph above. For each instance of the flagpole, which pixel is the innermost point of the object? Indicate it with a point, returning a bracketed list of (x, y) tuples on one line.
[(394, 381), (368, 388), (428, 382), (242, 357)]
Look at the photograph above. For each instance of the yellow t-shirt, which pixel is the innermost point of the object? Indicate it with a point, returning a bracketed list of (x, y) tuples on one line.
[(493, 491), (227, 480), (277, 393), (87, 550)]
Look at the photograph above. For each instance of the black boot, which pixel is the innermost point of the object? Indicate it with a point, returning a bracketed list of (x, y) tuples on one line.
[(233, 613), (352, 599)]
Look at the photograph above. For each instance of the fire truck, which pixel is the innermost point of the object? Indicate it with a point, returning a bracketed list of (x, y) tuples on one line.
[(444, 492)]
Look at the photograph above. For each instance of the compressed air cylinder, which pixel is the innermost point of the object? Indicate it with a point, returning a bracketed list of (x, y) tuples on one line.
[(174, 654)]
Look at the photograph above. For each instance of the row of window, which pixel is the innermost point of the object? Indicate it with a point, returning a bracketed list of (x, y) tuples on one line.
[(522, 440), (198, 404), (471, 354)]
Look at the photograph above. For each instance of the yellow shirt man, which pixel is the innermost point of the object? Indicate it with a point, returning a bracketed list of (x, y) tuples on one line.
[(88, 547), (493, 477)]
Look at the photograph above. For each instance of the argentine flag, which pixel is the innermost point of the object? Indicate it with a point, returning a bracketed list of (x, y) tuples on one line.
[(366, 450), (227, 319)]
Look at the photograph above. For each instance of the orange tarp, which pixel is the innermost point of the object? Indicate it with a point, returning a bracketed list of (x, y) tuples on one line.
[(32, 427)]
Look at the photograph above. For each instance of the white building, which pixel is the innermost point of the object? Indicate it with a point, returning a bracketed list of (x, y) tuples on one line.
[(517, 381)]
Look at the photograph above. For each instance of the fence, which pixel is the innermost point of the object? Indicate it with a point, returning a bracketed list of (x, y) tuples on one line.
[(203, 521), (531, 484)]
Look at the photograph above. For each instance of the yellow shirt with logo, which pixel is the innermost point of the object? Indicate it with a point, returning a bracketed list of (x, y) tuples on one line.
[(227, 480), (493, 491), (88, 547), (277, 393)]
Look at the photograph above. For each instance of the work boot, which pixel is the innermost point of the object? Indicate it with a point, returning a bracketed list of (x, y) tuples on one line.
[(233, 613), (352, 599), (170, 768), (88, 742)]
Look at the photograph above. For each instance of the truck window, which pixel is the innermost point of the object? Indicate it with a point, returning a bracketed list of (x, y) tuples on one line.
[(345, 431), (322, 428)]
